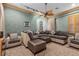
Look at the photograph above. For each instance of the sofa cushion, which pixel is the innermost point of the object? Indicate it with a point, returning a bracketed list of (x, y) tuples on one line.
[(77, 36), (45, 32), (59, 37), (42, 35), (75, 41), (58, 33), (61, 33), (13, 41), (13, 36)]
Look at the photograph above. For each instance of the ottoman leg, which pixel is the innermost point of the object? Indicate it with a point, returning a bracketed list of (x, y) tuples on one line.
[(35, 54)]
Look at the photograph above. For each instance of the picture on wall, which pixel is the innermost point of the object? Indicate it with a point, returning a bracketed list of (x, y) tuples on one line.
[(26, 24), (41, 26)]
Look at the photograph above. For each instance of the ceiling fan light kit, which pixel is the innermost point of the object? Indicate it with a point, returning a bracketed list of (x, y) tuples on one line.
[(49, 12)]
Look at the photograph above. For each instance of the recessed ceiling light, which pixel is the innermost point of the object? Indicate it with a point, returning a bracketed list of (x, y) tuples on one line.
[(56, 8), (73, 5)]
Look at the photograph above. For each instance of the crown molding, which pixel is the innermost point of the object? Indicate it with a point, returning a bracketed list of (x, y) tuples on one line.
[(10, 5), (68, 11)]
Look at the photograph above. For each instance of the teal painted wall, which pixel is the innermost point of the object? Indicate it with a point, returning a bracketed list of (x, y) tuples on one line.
[(62, 21), (33, 23), (62, 24), (45, 23), (36, 21), (14, 21)]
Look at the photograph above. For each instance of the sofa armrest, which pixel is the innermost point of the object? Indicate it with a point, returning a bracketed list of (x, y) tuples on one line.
[(6, 42), (70, 38)]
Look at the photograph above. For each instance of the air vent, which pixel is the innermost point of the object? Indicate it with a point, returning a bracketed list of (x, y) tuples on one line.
[(56, 8)]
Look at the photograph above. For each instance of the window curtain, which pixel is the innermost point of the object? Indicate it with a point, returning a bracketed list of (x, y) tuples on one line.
[(73, 23)]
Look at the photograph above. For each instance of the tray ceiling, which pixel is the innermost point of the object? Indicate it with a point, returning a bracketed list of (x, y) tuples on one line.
[(55, 7)]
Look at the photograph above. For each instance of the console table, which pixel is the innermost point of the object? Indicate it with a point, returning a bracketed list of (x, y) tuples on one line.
[(1, 39)]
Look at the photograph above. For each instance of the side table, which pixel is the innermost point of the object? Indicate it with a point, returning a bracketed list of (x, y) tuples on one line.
[(1, 40)]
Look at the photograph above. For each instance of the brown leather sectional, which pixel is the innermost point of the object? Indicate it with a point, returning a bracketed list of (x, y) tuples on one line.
[(38, 42)]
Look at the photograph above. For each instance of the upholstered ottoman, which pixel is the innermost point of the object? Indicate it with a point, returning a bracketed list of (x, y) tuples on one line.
[(45, 37), (36, 46)]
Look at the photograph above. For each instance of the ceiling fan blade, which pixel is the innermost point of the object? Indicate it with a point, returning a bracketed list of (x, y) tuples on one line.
[(50, 13)]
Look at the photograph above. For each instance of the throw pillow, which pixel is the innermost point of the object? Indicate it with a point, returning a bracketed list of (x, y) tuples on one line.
[(77, 36)]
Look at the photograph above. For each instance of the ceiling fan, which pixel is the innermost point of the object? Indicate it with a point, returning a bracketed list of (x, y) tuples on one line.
[(47, 12)]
